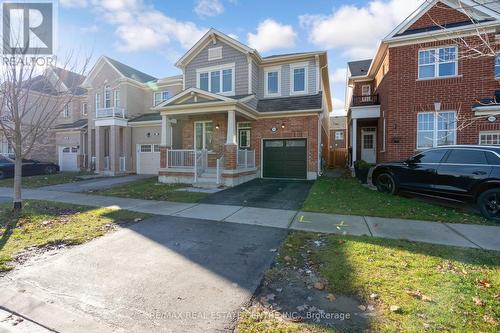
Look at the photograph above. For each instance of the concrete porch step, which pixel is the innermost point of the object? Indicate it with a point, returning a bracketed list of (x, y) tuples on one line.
[(201, 183)]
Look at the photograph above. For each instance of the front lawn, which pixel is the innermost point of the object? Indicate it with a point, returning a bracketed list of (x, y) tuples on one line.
[(44, 224), (151, 189), (46, 180), (402, 286), (345, 195)]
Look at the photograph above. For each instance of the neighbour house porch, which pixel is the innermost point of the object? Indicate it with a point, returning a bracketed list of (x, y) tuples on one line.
[(364, 129)]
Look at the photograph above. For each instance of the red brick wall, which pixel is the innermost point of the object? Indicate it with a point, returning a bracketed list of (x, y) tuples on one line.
[(440, 14), (337, 143), (403, 96)]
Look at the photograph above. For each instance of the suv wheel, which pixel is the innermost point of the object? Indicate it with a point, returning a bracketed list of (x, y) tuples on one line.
[(49, 170), (386, 183), (489, 204)]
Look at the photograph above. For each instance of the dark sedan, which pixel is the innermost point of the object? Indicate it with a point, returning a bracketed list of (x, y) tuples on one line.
[(460, 173), (30, 168)]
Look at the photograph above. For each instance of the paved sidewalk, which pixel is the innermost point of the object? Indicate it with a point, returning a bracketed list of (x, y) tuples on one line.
[(94, 184), (465, 235)]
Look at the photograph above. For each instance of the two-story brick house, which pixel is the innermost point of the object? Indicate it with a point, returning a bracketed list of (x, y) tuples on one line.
[(421, 90), (240, 116)]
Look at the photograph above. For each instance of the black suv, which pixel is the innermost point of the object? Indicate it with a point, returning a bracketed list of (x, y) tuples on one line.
[(459, 173)]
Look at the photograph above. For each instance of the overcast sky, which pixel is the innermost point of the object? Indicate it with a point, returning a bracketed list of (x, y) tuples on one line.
[(151, 35)]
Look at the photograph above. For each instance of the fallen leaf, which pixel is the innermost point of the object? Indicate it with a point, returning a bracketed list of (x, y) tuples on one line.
[(319, 285), (497, 297), (331, 297), (478, 301), (489, 320), (374, 296), (395, 308), (418, 295), (287, 258), (483, 283)]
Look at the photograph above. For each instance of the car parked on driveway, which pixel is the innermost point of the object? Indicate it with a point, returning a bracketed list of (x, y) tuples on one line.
[(30, 168), (468, 174)]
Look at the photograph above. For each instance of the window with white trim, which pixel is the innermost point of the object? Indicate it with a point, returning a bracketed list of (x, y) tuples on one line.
[(436, 129), (218, 80), (84, 109), (97, 101), (366, 91), (272, 82), (66, 111), (438, 62), (215, 53), (203, 135), (116, 98), (160, 97), (489, 138), (298, 81), (339, 135), (107, 96), (497, 66)]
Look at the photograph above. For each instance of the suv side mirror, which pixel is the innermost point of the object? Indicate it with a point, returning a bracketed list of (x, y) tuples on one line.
[(411, 161)]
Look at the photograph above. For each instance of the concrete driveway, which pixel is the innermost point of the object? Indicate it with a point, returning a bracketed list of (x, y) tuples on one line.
[(5, 200), (95, 184), (166, 274), (264, 193)]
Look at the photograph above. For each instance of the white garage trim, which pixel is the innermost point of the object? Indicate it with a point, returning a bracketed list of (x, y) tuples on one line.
[(68, 158)]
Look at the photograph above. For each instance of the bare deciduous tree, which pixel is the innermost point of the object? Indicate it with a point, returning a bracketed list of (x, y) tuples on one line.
[(31, 100)]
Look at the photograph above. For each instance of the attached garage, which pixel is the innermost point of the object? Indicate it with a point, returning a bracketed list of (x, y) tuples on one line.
[(68, 158), (285, 158), (148, 159)]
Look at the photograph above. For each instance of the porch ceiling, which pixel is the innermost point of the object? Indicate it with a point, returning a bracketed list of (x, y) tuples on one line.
[(363, 112)]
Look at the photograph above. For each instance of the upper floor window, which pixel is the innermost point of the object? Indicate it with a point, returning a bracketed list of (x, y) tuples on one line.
[(84, 109), (66, 111), (339, 135), (217, 80), (436, 129), (272, 81), (117, 98), (107, 97), (497, 66), (298, 74), (436, 63), (160, 97), (97, 101), (366, 91)]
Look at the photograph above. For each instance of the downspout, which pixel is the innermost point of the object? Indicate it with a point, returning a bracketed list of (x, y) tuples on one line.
[(319, 146)]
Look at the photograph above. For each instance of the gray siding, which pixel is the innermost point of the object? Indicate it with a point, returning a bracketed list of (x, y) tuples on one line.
[(255, 78), (285, 79), (229, 55)]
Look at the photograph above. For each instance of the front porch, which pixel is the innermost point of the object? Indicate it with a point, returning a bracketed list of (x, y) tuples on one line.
[(215, 150)]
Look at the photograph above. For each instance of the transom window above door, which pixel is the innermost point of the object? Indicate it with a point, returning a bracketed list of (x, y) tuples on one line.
[(217, 80), (437, 63), (203, 135)]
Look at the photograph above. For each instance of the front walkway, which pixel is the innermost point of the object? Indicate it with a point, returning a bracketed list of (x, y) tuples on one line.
[(465, 235), (95, 183)]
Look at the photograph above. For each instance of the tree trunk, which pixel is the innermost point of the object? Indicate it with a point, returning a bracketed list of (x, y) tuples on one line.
[(18, 170)]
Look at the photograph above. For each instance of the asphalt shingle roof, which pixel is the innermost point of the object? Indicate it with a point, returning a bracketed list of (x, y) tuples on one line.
[(154, 116), (294, 103), (77, 124), (359, 68), (130, 72)]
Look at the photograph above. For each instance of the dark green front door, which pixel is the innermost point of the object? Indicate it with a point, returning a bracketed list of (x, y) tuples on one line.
[(285, 158)]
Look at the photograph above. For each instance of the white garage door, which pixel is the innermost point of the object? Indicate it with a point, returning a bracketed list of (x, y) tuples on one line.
[(148, 159), (68, 158)]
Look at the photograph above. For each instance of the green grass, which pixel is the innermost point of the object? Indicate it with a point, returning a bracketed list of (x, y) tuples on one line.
[(42, 223), (460, 286), (45, 180), (347, 196), (151, 189)]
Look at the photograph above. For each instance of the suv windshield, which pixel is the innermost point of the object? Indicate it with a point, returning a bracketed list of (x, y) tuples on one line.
[(4, 159)]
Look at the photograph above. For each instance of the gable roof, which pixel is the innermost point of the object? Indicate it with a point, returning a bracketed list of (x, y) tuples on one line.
[(212, 34), (478, 10), (360, 67), (81, 123), (130, 72), (193, 92)]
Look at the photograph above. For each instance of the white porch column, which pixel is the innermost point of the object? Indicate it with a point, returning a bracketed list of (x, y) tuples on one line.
[(231, 128), (354, 140), (166, 132)]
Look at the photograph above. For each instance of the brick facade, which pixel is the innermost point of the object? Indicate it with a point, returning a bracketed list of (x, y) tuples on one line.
[(402, 95)]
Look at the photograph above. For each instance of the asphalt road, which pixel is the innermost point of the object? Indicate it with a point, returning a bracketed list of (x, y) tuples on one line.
[(167, 274)]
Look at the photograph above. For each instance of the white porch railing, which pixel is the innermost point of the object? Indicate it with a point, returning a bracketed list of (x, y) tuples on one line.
[(180, 158), (107, 163), (245, 159), (113, 112), (92, 163), (220, 167), (123, 163)]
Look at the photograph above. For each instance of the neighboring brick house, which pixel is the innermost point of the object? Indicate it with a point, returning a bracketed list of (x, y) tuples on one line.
[(420, 91), (338, 132), (242, 116)]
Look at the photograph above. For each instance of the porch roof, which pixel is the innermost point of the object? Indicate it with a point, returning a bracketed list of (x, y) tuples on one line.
[(81, 123), (152, 116), (293, 103)]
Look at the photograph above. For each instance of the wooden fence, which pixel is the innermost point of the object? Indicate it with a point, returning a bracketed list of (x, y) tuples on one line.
[(338, 157)]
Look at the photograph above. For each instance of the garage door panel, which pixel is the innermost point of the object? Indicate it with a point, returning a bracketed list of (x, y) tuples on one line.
[(285, 158), (148, 157)]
